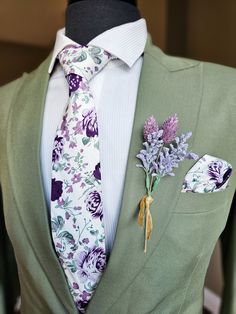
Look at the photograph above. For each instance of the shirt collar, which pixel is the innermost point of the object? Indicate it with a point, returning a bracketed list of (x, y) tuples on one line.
[(126, 42)]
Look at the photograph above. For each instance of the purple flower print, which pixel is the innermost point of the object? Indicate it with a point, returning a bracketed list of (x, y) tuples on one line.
[(70, 189), (218, 173), (94, 204), (58, 245), (75, 108), (56, 190), (82, 185), (80, 237), (85, 241), (58, 147), (60, 203), (90, 122), (81, 305), (70, 255), (90, 264), (85, 295), (97, 172), (74, 82), (76, 178), (84, 86), (72, 145), (64, 127), (83, 302), (75, 286), (226, 176), (78, 128), (77, 208), (64, 123), (67, 216)]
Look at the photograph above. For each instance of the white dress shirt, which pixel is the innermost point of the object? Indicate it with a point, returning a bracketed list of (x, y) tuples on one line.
[(115, 92)]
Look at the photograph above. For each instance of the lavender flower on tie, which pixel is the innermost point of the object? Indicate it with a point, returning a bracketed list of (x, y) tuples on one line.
[(163, 151), (90, 122)]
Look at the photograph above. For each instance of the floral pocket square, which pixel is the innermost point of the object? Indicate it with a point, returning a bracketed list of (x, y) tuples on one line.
[(209, 174)]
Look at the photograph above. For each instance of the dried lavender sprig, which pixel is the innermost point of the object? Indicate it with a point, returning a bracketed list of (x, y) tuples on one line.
[(162, 151), (150, 127), (149, 153), (173, 155), (169, 128)]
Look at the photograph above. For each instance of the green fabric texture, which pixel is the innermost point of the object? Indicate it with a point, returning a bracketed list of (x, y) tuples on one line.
[(169, 278)]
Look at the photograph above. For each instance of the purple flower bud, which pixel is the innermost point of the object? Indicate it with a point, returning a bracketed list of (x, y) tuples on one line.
[(150, 126), (169, 128), (75, 286)]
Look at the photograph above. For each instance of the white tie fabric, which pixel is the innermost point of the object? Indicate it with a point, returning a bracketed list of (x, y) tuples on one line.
[(76, 195), (115, 93)]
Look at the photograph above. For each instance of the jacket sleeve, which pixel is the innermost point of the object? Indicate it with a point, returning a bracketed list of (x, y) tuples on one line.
[(228, 238), (9, 284)]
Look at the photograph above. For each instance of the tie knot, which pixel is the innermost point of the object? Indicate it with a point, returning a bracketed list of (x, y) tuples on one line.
[(82, 62)]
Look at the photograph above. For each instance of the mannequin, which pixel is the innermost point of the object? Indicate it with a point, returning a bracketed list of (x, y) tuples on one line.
[(86, 19)]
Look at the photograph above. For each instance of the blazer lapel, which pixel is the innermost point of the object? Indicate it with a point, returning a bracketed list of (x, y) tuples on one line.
[(23, 145), (161, 94)]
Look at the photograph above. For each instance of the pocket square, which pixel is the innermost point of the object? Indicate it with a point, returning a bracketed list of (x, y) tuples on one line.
[(209, 174)]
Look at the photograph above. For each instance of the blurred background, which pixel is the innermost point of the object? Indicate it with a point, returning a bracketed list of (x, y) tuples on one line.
[(199, 29)]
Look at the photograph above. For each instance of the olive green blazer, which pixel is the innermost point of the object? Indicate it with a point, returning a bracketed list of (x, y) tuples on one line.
[(170, 277)]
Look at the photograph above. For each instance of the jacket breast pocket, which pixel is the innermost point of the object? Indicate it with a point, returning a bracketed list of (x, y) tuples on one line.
[(197, 203)]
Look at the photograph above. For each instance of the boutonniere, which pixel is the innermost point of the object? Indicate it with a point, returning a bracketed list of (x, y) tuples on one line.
[(163, 151)]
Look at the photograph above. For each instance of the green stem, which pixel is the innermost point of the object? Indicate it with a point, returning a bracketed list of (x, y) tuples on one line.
[(156, 183), (148, 186), (158, 155), (151, 187)]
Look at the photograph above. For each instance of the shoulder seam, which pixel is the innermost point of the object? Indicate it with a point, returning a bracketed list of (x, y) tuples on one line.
[(188, 65)]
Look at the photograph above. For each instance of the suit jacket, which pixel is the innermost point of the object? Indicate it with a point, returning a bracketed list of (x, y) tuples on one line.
[(169, 278)]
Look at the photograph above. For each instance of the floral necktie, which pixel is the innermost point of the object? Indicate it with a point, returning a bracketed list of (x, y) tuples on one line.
[(76, 200)]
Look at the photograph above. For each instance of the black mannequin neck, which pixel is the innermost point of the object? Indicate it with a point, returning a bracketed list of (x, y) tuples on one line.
[(89, 18)]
